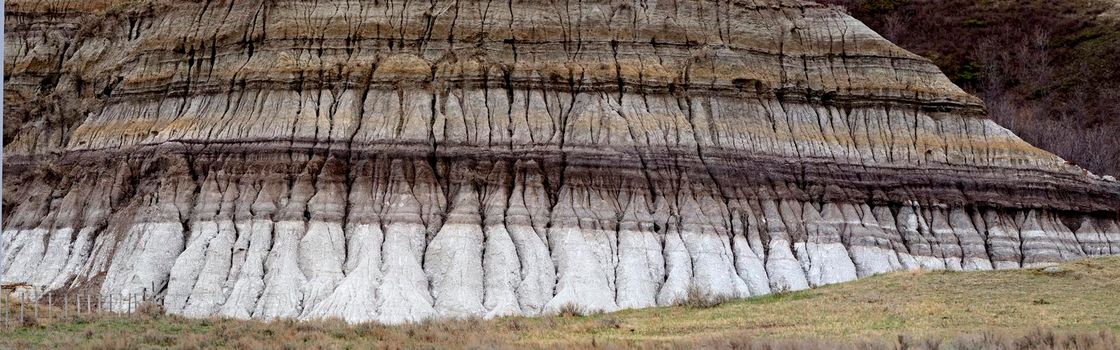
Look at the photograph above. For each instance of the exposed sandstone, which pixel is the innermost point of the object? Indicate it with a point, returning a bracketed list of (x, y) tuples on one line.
[(396, 161)]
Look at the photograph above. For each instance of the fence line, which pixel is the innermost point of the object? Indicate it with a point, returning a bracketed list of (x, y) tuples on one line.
[(29, 309)]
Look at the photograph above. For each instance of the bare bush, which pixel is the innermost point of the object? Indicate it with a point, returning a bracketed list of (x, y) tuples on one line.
[(700, 298), (150, 309), (28, 321), (571, 310), (610, 322)]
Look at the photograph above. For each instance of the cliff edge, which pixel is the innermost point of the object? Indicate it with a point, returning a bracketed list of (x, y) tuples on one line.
[(394, 161)]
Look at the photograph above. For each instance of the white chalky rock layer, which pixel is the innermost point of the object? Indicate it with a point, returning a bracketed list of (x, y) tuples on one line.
[(389, 241)]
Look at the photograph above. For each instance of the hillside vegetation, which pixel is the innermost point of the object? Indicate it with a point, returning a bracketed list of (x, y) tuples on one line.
[(1048, 70), (1072, 307)]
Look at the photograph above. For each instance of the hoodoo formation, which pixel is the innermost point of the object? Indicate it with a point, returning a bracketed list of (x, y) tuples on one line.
[(396, 160)]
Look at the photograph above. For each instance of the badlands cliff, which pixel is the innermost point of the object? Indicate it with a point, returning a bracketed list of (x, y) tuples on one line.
[(400, 160)]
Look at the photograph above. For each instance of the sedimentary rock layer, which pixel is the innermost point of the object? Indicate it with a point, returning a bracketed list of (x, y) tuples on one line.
[(396, 161)]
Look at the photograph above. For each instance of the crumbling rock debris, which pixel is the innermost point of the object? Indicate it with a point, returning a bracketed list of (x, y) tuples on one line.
[(396, 161)]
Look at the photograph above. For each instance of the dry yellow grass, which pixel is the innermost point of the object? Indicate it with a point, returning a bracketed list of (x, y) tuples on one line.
[(1076, 308)]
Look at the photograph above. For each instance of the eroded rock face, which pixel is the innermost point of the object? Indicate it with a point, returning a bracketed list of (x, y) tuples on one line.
[(395, 161)]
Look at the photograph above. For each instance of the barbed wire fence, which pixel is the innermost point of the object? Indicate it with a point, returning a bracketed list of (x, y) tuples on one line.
[(30, 308)]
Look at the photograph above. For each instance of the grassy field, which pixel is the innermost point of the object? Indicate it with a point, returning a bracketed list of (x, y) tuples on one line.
[(1077, 307)]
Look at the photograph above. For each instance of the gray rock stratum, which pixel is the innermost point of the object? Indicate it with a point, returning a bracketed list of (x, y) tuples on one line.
[(397, 160)]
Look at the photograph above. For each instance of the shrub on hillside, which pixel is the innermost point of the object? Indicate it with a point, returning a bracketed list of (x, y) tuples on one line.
[(150, 309), (700, 298)]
